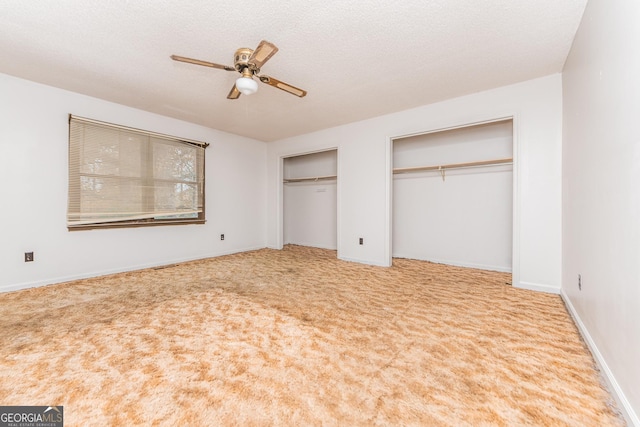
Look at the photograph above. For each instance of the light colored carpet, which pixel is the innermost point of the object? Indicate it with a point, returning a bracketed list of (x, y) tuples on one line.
[(297, 337)]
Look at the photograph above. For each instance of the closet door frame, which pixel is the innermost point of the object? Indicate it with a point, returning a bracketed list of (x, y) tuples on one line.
[(515, 267), (280, 220)]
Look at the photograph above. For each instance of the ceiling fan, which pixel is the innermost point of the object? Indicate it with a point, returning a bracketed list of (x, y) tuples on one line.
[(248, 62)]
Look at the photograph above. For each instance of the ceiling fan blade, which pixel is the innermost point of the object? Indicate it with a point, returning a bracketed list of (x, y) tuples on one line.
[(283, 86), (234, 93), (262, 54), (203, 63)]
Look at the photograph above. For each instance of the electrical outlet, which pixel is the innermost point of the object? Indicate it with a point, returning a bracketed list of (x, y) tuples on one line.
[(28, 256), (222, 237), (579, 282), (361, 241)]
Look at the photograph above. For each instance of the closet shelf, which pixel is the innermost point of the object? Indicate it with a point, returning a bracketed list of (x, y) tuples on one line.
[(454, 166), (310, 179)]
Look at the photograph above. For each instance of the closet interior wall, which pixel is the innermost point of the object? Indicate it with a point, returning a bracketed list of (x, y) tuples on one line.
[(310, 200), (453, 196)]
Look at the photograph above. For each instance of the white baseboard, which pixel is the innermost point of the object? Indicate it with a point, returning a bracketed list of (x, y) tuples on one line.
[(359, 261), (314, 245), (363, 261), (537, 287), (459, 264), (69, 278), (625, 407)]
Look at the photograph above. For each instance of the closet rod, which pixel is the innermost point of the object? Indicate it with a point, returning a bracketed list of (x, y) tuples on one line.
[(453, 166), (315, 178)]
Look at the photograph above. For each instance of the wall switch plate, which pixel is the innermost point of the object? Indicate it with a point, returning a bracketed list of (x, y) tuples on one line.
[(579, 282), (28, 256), (361, 240), (222, 237)]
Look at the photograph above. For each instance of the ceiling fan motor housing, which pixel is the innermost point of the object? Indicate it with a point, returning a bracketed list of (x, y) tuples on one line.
[(241, 59)]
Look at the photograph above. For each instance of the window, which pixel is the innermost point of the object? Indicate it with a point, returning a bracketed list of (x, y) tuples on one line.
[(124, 177)]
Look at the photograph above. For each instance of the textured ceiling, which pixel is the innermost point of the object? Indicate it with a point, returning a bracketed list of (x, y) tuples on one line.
[(357, 59)]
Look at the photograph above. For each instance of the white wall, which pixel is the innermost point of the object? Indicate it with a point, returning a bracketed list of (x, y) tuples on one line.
[(310, 214), (466, 218), (323, 163), (364, 186), (310, 208), (601, 190), (34, 176)]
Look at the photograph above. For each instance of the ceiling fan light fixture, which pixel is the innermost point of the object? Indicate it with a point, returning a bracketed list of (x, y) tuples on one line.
[(246, 85)]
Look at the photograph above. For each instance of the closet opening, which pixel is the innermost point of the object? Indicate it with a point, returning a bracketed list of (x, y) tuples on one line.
[(310, 200), (452, 196)]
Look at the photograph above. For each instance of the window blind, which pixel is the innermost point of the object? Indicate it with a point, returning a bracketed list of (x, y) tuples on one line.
[(120, 176)]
